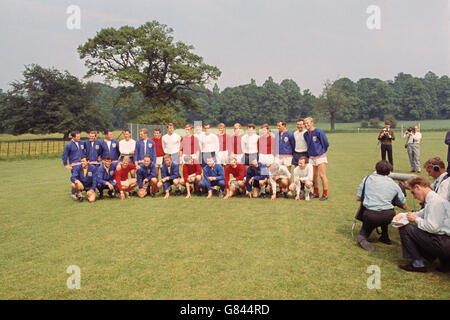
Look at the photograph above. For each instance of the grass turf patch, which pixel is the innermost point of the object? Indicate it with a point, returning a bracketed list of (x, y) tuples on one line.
[(198, 248)]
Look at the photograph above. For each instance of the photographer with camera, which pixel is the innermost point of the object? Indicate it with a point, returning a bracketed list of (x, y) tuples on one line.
[(413, 137), (386, 137), (378, 193)]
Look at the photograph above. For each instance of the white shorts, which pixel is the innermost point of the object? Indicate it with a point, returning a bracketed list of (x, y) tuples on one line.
[(284, 160), (317, 161), (222, 157), (159, 161), (266, 159)]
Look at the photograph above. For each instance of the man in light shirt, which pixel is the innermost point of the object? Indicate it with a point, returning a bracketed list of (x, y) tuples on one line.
[(413, 137), (430, 238), (303, 178), (301, 148), (171, 143), (435, 168), (249, 145), (209, 144), (127, 145), (380, 192), (281, 175)]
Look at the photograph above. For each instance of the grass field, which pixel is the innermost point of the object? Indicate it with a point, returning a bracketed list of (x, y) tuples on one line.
[(198, 248)]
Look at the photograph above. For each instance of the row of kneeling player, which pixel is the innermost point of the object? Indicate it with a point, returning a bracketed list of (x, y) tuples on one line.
[(122, 178)]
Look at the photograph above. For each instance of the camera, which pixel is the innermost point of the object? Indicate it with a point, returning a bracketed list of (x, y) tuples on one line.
[(410, 129)]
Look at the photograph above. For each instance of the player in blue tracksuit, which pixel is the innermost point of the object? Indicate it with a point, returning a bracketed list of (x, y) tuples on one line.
[(170, 175), (71, 156), (317, 147), (73, 151), (146, 176), (257, 177), (110, 147), (84, 177), (213, 175), (144, 147), (285, 145), (93, 149), (105, 177)]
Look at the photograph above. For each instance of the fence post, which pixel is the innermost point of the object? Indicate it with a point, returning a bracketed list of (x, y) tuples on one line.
[(7, 150), (15, 148), (29, 147)]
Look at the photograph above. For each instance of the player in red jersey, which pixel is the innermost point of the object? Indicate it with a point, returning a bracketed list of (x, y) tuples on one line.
[(237, 183), (121, 177)]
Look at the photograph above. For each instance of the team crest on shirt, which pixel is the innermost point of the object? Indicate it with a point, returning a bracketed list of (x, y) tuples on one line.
[(150, 145), (314, 139), (112, 172), (89, 174), (97, 147), (286, 139), (113, 145), (82, 146)]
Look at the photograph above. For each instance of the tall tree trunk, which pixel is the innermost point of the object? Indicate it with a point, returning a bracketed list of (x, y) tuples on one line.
[(332, 120)]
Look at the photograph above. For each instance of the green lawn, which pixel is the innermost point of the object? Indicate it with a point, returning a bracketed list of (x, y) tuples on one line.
[(198, 248)]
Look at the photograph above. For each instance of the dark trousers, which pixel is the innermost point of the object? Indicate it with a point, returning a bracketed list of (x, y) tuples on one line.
[(387, 148), (417, 243), (448, 168), (373, 219)]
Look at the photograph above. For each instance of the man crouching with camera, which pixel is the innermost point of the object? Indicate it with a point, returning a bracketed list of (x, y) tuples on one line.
[(378, 193)]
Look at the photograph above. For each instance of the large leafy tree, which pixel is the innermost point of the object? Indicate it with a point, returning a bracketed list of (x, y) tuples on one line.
[(146, 59), (50, 101)]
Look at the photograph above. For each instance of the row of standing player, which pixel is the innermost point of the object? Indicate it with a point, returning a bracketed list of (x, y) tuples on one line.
[(285, 149)]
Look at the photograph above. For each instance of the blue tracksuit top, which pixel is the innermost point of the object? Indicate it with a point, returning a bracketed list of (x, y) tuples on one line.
[(89, 180), (317, 142), (72, 152), (285, 143), (258, 173), (216, 171), (145, 173), (103, 176), (174, 171), (139, 150), (113, 152), (95, 151)]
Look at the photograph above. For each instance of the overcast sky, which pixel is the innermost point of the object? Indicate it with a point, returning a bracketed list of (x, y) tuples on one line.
[(308, 41)]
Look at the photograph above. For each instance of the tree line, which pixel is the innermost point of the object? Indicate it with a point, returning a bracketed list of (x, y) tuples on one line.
[(161, 80)]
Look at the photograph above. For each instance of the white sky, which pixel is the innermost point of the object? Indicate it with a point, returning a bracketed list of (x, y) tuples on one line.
[(308, 41)]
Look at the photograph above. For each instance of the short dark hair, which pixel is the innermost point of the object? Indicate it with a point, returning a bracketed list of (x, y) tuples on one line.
[(107, 131), (126, 130), (85, 157), (300, 119), (74, 133), (283, 123), (383, 167), (251, 125), (304, 158), (147, 156), (388, 122), (108, 158), (157, 129)]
